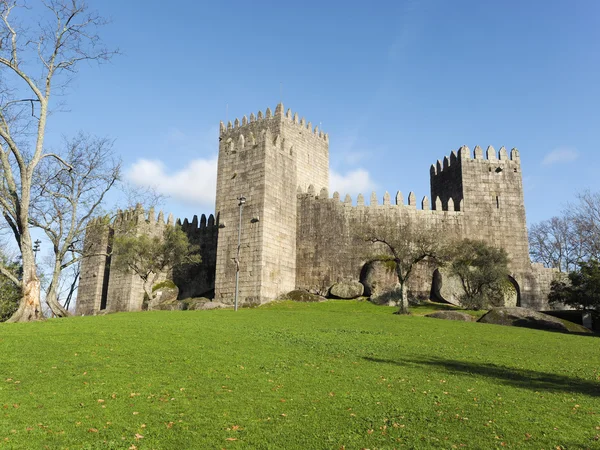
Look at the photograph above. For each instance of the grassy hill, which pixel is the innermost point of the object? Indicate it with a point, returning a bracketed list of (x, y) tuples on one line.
[(339, 374)]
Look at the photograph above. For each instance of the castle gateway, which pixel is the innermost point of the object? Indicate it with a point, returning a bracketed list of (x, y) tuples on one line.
[(296, 236)]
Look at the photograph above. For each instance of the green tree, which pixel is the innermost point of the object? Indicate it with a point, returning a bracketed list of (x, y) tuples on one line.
[(482, 271), (150, 256), (405, 245), (582, 291), (10, 293)]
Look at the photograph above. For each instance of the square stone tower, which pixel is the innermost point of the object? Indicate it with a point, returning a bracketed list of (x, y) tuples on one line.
[(489, 190), (265, 159)]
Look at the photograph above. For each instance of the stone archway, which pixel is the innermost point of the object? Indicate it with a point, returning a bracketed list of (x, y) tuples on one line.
[(513, 295)]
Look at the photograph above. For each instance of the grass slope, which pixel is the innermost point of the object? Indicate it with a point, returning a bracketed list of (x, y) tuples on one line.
[(339, 374)]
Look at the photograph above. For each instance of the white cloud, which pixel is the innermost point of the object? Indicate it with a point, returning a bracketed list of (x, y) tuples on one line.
[(560, 155), (354, 182), (196, 184)]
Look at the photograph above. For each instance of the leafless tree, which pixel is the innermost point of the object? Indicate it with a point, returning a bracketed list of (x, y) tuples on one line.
[(585, 219), (64, 199), (564, 241), (35, 60), (556, 243)]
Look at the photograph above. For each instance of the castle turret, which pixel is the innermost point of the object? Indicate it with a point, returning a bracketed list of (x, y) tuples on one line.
[(264, 159)]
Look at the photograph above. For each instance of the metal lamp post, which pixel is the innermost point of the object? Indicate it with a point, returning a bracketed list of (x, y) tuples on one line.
[(36, 248), (242, 201)]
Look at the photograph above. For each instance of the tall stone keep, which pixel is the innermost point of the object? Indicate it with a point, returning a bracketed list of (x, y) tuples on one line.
[(266, 159)]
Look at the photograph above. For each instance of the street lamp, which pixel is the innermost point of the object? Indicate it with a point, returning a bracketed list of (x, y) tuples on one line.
[(36, 248), (242, 201)]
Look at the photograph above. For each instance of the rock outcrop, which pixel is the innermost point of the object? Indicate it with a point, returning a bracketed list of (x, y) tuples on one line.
[(347, 290), (523, 317), (452, 315)]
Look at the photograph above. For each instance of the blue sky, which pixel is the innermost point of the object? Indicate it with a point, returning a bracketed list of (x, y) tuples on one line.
[(397, 85)]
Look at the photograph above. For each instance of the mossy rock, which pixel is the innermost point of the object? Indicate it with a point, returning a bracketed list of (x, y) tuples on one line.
[(167, 284), (165, 292), (303, 296)]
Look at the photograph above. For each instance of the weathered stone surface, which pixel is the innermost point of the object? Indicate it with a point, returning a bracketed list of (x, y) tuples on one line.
[(523, 317), (166, 293), (378, 277), (303, 296), (347, 290), (452, 315), (202, 303), (292, 239)]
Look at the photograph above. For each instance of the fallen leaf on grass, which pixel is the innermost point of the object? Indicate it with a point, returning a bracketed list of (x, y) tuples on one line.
[(170, 424), (92, 430), (138, 436), (231, 439)]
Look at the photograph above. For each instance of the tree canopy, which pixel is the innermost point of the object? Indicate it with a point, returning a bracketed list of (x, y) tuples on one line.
[(483, 272), (583, 289), (150, 256)]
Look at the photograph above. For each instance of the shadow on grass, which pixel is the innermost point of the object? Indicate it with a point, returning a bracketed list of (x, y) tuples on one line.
[(521, 378)]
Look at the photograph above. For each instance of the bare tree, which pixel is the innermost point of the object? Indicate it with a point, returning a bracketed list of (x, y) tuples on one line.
[(406, 246), (34, 61), (556, 243), (565, 241), (64, 200), (585, 219)]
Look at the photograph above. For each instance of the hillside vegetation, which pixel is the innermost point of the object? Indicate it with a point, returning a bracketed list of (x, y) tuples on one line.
[(338, 374)]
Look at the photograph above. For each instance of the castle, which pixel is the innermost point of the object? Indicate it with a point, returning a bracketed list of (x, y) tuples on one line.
[(293, 235)]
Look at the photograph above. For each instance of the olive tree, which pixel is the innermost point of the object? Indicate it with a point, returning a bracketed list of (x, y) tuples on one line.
[(405, 245), (482, 270), (150, 256)]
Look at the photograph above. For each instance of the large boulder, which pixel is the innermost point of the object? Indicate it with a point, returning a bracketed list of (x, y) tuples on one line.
[(303, 296), (523, 317), (165, 292), (347, 290), (378, 277), (452, 315)]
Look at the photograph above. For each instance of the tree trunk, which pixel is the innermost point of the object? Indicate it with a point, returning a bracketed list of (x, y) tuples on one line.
[(51, 295), (30, 308), (403, 303), (148, 283), (403, 290)]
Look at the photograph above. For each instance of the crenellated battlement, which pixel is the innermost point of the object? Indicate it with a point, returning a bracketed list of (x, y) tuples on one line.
[(426, 206), (248, 125), (464, 154), (194, 225), (138, 216)]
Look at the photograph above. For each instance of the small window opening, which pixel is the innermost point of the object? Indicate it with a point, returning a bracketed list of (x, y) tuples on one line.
[(490, 169), (515, 170), (497, 202)]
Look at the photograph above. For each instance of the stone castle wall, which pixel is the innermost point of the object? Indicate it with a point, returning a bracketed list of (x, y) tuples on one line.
[(102, 288), (293, 238), (474, 198)]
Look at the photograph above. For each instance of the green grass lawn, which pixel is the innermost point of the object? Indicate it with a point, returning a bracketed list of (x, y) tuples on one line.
[(339, 374)]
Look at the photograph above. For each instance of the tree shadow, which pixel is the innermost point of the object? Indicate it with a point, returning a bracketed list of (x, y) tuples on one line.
[(521, 378)]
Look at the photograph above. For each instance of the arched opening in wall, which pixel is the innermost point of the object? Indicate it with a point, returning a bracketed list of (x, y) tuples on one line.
[(436, 287), (512, 297)]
